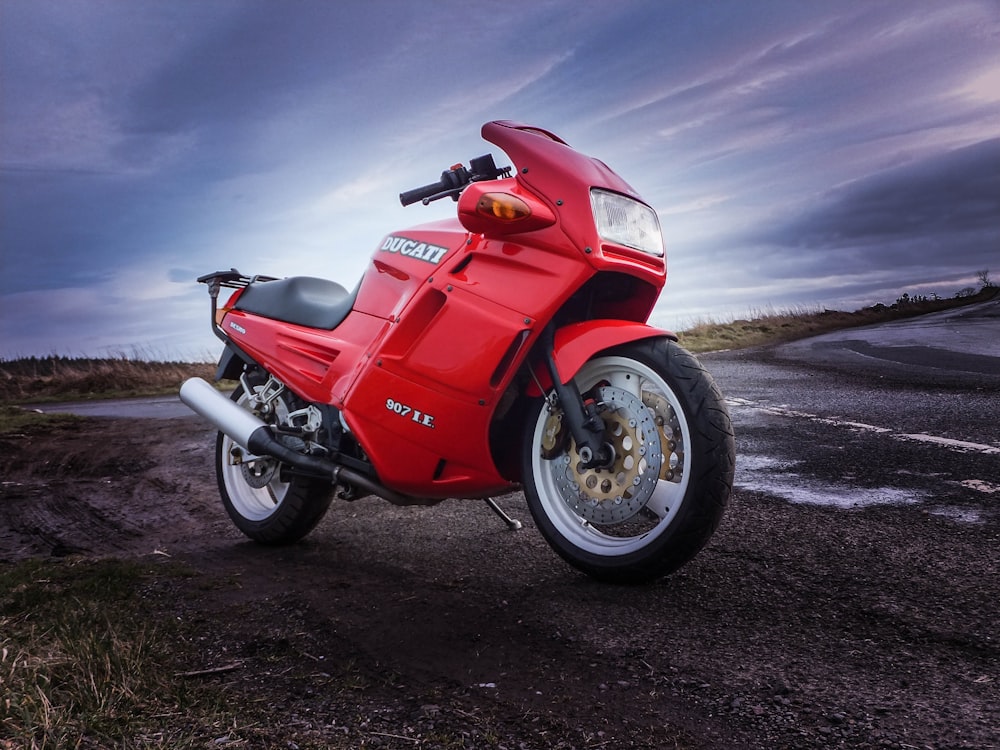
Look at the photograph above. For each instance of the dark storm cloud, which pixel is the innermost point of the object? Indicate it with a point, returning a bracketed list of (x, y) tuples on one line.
[(143, 143), (244, 71), (948, 195)]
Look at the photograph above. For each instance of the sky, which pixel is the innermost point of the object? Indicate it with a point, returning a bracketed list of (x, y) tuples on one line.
[(800, 155)]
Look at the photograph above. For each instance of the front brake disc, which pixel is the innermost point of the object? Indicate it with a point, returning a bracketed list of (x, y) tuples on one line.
[(671, 438), (617, 493)]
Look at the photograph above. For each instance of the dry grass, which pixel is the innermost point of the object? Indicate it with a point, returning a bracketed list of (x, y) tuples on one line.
[(98, 654), (80, 664), (771, 327), (34, 379)]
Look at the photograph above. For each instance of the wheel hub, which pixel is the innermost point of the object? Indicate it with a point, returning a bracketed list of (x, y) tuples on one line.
[(256, 473), (618, 492)]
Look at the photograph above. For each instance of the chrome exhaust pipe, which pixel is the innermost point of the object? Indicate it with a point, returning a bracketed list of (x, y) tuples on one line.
[(224, 414), (247, 430), (253, 434)]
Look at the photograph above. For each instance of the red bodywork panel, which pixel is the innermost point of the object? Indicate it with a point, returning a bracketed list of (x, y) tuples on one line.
[(445, 317), (577, 343)]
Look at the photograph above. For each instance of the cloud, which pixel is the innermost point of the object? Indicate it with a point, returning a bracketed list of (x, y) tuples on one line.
[(144, 310), (175, 138), (983, 87), (64, 81), (955, 193)]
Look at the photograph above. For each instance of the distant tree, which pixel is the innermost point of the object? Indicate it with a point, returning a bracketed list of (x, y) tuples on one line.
[(969, 291), (984, 277), (906, 299)]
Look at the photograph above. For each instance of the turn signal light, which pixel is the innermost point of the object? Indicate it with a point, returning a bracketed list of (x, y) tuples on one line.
[(499, 208), (502, 206)]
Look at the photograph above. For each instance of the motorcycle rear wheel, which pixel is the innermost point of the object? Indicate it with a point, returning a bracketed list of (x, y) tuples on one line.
[(260, 502), (653, 510)]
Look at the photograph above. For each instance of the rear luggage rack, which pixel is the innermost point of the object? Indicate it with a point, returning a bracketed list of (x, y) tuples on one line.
[(231, 279)]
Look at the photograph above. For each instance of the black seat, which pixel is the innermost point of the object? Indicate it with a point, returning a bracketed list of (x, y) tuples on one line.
[(303, 300)]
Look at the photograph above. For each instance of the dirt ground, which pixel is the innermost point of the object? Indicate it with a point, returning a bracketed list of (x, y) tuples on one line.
[(797, 627)]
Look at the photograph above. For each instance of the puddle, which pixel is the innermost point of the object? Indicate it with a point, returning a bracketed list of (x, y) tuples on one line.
[(794, 489), (745, 464), (777, 477), (962, 515), (772, 475)]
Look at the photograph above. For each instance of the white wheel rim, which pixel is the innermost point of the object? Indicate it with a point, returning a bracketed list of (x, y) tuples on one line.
[(253, 503), (636, 378)]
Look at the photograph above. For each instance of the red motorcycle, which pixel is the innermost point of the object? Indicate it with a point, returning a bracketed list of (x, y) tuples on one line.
[(506, 348)]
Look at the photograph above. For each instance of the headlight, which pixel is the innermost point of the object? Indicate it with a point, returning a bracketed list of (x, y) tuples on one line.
[(624, 221)]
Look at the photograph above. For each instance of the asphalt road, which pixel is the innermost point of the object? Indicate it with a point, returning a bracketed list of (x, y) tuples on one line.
[(904, 413), (960, 346)]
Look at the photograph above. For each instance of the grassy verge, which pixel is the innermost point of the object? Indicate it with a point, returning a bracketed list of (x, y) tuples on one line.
[(13, 419), (779, 327), (83, 665), (37, 380)]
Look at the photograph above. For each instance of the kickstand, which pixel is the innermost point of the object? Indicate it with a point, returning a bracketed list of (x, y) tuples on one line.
[(512, 523)]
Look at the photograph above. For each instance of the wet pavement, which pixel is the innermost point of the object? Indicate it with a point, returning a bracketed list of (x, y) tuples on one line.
[(958, 344), (161, 407), (819, 422)]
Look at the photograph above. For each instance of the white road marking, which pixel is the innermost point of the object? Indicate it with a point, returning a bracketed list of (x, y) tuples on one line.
[(956, 445), (784, 411), (959, 446), (778, 477)]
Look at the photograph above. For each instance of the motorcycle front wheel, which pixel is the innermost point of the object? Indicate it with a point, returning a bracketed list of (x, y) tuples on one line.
[(657, 504), (262, 502)]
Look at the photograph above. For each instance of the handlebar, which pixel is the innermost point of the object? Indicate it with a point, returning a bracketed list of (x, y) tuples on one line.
[(418, 194), (454, 180)]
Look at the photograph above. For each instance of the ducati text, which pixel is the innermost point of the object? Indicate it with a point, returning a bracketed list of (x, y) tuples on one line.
[(414, 249)]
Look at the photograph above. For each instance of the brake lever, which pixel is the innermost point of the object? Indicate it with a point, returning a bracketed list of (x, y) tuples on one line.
[(453, 192), (469, 178)]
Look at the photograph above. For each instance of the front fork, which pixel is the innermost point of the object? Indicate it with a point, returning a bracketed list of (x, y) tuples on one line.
[(582, 418)]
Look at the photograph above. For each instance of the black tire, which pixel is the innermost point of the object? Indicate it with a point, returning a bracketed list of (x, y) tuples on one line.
[(260, 504), (595, 520)]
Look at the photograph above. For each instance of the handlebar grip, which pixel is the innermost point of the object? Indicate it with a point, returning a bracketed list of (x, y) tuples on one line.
[(418, 194)]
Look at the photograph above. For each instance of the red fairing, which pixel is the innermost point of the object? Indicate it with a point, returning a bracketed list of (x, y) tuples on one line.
[(506, 347), (445, 317), (577, 343), (318, 365), (549, 167)]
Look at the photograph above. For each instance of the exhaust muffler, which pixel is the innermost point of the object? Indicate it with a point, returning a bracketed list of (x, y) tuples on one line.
[(249, 431), (224, 414), (253, 434)]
